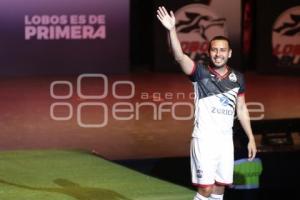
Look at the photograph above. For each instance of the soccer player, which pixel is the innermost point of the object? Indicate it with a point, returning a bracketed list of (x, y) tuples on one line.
[(219, 92)]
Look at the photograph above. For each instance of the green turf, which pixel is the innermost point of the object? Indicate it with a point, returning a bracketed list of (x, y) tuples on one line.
[(69, 175)]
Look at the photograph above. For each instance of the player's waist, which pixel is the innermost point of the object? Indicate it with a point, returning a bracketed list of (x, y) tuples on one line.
[(212, 131)]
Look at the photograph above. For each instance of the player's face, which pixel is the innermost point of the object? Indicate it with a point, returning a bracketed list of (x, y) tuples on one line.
[(219, 53)]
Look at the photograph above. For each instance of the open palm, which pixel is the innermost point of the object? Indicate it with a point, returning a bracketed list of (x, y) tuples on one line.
[(167, 20)]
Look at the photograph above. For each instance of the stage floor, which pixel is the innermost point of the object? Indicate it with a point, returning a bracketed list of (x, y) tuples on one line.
[(138, 115), (78, 175)]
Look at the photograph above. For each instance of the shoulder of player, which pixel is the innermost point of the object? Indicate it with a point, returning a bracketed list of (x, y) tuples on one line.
[(239, 75), (236, 72), (201, 67)]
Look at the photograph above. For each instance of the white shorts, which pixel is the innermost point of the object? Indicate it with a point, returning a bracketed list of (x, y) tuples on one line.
[(212, 161)]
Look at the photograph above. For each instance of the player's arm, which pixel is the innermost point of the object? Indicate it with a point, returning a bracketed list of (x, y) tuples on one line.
[(169, 21), (243, 116)]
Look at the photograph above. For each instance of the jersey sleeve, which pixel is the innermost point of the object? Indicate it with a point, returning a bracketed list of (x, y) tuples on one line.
[(196, 73), (241, 81)]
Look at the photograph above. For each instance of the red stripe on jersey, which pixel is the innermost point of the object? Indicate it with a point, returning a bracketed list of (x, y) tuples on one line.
[(223, 184), (203, 185), (212, 70)]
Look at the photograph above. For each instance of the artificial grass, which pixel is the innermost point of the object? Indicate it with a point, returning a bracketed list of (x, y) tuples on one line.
[(69, 175)]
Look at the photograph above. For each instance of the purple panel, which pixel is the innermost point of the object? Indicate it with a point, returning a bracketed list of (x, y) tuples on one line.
[(64, 36)]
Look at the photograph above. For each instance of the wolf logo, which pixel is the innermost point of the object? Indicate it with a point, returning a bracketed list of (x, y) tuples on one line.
[(199, 23), (286, 38), (290, 28), (196, 25)]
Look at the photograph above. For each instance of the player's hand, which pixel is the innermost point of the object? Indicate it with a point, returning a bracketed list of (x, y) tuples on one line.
[(251, 149), (167, 20)]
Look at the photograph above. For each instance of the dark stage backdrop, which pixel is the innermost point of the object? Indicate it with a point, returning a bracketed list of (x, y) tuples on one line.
[(64, 36), (198, 22), (278, 36)]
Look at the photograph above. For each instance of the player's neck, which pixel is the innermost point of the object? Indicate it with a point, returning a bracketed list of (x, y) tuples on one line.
[(221, 70)]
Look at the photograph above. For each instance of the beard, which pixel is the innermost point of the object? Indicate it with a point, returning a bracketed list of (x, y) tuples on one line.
[(218, 64)]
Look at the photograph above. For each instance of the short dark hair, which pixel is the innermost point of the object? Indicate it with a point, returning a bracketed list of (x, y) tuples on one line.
[(219, 37)]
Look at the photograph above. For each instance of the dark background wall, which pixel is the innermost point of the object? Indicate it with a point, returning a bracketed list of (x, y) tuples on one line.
[(142, 15), (142, 34), (258, 19)]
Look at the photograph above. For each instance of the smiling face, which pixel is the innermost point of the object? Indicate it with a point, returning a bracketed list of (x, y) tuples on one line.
[(219, 52)]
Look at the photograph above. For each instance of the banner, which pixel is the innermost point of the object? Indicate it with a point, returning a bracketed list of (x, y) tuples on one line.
[(278, 37), (64, 36), (196, 23)]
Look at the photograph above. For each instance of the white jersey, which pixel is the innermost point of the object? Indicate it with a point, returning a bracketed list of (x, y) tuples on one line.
[(215, 100)]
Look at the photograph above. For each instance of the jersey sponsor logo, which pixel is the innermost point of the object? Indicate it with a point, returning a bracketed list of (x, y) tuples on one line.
[(286, 38), (196, 25), (222, 111), (224, 101)]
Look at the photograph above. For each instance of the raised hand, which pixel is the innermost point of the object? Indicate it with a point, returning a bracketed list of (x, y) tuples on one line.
[(167, 20)]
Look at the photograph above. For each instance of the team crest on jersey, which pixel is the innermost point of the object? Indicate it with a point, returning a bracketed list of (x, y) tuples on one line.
[(232, 77)]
